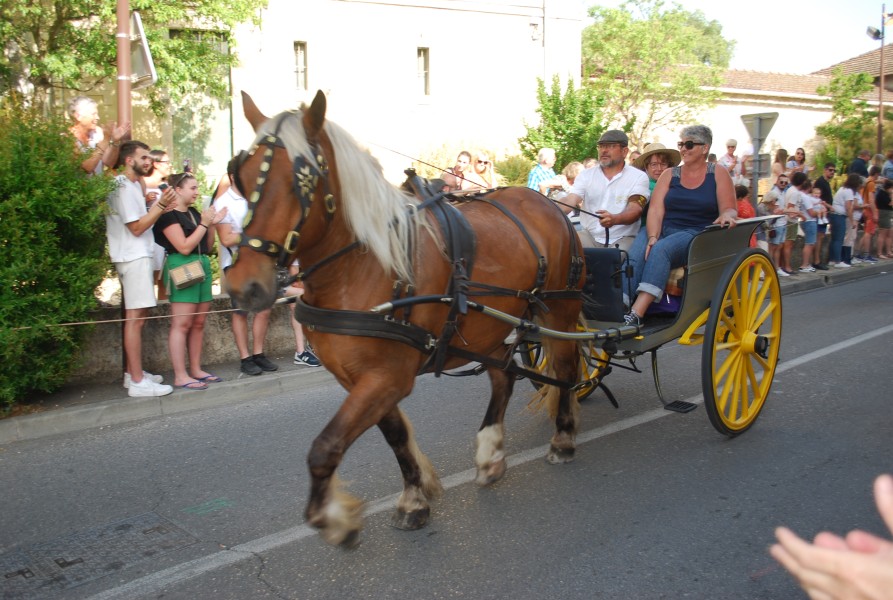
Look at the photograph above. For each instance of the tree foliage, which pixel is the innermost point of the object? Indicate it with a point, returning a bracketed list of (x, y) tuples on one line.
[(52, 250), (849, 128), (570, 123), (70, 45), (653, 66)]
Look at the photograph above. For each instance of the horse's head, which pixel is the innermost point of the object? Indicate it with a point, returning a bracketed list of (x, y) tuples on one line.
[(289, 180)]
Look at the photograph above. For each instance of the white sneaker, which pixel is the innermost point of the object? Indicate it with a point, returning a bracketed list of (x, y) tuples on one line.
[(855, 261), (841, 265), (148, 389), (782, 273), (146, 375)]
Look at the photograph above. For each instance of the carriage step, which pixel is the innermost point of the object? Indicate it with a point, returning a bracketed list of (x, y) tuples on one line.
[(680, 406)]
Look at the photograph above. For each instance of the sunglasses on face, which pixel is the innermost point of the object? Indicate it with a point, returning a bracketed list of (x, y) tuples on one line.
[(484, 162), (688, 144), (161, 161)]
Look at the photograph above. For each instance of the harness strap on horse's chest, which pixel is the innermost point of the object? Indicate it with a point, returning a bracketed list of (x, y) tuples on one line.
[(365, 324)]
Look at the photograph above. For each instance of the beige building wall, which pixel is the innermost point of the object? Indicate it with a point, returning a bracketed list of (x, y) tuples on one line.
[(798, 116), (484, 59)]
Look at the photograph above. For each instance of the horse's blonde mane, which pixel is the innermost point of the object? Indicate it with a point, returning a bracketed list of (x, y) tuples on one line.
[(375, 211)]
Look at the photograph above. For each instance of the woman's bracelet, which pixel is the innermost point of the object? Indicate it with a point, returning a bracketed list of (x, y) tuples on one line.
[(202, 225)]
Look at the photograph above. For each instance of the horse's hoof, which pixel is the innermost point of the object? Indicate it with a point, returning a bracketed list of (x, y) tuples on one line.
[(350, 541), (409, 521), (491, 474), (557, 456)]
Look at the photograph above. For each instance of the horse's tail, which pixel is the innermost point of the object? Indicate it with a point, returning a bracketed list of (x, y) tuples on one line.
[(548, 396)]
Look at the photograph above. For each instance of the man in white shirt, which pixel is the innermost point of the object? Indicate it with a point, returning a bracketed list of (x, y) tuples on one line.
[(131, 246), (729, 160), (229, 230), (613, 191)]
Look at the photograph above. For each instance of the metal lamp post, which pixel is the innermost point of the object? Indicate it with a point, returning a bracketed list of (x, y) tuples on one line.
[(878, 34)]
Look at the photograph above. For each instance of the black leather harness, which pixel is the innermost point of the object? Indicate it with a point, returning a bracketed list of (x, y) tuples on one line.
[(459, 246)]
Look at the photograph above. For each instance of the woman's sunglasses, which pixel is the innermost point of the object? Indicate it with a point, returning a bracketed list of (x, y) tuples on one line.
[(688, 144)]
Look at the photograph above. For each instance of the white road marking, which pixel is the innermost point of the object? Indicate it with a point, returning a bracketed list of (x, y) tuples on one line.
[(151, 584)]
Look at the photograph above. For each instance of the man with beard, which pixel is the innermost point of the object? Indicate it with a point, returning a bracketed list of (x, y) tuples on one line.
[(131, 246), (613, 192)]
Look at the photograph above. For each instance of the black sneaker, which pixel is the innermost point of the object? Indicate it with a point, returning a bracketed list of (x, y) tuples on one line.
[(820, 267), (249, 367), (632, 318), (264, 363), (306, 358)]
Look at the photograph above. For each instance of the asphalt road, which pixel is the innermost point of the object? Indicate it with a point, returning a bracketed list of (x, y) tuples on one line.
[(209, 504)]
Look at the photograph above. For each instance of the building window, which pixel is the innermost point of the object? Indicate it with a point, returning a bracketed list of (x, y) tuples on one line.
[(301, 65), (423, 72)]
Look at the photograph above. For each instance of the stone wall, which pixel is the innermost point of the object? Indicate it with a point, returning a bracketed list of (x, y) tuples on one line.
[(101, 358)]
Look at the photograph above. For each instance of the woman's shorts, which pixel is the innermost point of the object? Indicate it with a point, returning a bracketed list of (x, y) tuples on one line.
[(200, 292), (779, 233), (885, 217), (870, 226), (809, 231), (791, 233)]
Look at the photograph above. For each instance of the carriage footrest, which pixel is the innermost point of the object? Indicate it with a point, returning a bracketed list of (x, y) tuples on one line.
[(680, 406)]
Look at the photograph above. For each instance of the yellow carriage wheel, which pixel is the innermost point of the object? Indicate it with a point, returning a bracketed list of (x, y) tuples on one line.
[(741, 342), (593, 364)]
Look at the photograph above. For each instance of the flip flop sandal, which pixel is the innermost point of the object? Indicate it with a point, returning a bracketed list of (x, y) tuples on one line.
[(210, 379), (194, 385)]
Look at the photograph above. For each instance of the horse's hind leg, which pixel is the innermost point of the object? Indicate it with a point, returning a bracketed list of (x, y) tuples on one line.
[(420, 482), (562, 402), (490, 454)]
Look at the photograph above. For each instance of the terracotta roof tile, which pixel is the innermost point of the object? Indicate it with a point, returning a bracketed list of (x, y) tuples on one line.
[(786, 83), (870, 63)]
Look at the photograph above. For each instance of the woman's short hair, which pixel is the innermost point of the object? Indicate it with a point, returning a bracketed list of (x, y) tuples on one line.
[(698, 133), (853, 181), (74, 105), (544, 153)]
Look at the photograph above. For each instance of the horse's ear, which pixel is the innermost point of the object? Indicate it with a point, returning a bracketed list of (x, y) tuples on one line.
[(315, 115), (252, 112)]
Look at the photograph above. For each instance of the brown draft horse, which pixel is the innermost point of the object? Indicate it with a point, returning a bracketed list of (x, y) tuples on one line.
[(359, 234)]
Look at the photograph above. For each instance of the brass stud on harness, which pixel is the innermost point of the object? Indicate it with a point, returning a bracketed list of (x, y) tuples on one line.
[(330, 203), (256, 244)]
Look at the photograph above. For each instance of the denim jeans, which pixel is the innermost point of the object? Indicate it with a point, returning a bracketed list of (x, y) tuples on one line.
[(838, 230), (670, 252)]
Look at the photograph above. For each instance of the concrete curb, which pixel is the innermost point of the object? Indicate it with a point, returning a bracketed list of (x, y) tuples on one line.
[(126, 409), (120, 410)]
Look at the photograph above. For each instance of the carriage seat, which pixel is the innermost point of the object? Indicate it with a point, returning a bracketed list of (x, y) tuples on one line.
[(675, 282)]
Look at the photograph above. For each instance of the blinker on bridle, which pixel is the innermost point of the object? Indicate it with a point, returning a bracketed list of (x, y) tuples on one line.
[(307, 175)]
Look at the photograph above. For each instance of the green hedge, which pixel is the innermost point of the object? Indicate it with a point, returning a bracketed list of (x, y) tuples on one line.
[(52, 251)]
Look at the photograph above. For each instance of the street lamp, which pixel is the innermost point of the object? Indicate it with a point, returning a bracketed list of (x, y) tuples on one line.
[(878, 34)]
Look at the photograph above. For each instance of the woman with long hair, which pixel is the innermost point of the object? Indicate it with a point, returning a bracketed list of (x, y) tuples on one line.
[(797, 163), (779, 166), (187, 236)]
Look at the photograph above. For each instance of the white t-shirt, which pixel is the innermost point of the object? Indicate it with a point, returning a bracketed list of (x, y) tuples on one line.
[(792, 202), (807, 203), (613, 195), (126, 205), (236, 211), (843, 196)]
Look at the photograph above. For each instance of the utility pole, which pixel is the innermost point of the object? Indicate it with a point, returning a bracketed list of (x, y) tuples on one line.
[(122, 38)]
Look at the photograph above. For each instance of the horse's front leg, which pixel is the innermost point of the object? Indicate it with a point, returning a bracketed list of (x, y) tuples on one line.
[(420, 481), (490, 454), (336, 514)]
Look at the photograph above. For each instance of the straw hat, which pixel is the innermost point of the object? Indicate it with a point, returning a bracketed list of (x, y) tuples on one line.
[(673, 155)]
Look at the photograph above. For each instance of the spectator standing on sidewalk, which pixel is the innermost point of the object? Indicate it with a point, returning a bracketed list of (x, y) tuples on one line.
[(841, 217), (808, 214), (826, 193), (542, 177), (869, 216), (100, 145), (859, 165), (882, 199), (187, 236), (161, 170), (791, 205), (131, 247), (303, 354), (230, 231), (774, 205)]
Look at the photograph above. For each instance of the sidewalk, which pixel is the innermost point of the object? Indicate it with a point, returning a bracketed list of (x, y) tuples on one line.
[(84, 406)]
